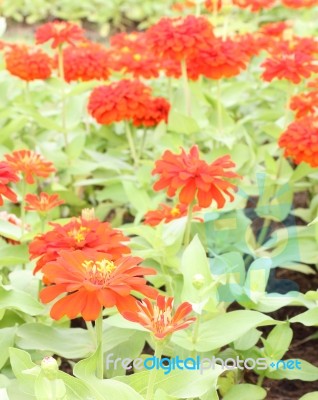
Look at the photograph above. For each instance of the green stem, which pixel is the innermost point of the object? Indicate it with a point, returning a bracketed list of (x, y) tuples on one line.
[(195, 335), (167, 276), (260, 380), (169, 88), (99, 345), (43, 223), (153, 372), (219, 107), (198, 8), (186, 88), (63, 111), (215, 12), (22, 210), (131, 143), (143, 142), (27, 92), (188, 225)]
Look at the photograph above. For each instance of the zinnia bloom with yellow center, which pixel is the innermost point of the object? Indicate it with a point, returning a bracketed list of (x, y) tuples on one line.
[(7, 175), (194, 179), (300, 141), (29, 164), (28, 63), (166, 214), (160, 318), (42, 203), (59, 32), (78, 234), (92, 282)]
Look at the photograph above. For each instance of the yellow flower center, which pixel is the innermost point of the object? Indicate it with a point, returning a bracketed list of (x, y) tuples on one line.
[(78, 234), (137, 57), (99, 271), (175, 212)]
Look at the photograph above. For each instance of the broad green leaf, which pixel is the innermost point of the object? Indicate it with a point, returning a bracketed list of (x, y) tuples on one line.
[(36, 336), (13, 255), (278, 341), (310, 396), (245, 391), (308, 318), (306, 372), (10, 231), (6, 341), (18, 300), (181, 123)]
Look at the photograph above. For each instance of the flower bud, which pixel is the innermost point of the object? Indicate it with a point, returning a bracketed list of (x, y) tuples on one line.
[(198, 281), (88, 214), (49, 367)]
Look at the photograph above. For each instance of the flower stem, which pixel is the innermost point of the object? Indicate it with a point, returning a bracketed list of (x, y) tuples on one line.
[(186, 88), (99, 344), (143, 141), (61, 75), (219, 107), (195, 335), (153, 372), (188, 225), (260, 380), (22, 210), (131, 143), (43, 222), (198, 8)]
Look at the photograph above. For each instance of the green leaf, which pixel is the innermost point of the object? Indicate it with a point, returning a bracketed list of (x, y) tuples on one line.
[(310, 396), (245, 391), (18, 300), (6, 341), (10, 231), (194, 262), (278, 341), (307, 371), (13, 255), (181, 123), (103, 389), (308, 318), (36, 336)]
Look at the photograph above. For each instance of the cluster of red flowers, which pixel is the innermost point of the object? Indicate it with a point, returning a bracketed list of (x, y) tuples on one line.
[(194, 179), (28, 63), (127, 101), (305, 104), (300, 141), (7, 175)]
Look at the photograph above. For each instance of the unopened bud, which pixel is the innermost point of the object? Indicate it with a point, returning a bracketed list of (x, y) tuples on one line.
[(49, 367), (198, 281), (88, 214)]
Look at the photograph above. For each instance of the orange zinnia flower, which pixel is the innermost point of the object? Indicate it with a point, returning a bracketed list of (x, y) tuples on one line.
[(291, 66), (194, 179), (85, 62), (166, 214), (157, 111), (7, 175), (92, 282), (29, 164), (119, 101), (42, 203), (78, 234), (59, 32), (179, 38), (304, 103), (254, 5), (210, 5), (160, 318), (300, 141), (275, 29), (129, 54), (300, 3), (28, 63)]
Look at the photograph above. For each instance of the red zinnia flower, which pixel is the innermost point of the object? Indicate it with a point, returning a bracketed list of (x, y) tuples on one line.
[(42, 203), (275, 29), (300, 141), (167, 214), (300, 3), (7, 175), (194, 179), (305, 103), (157, 111), (92, 282), (85, 62), (255, 5), (221, 59), (78, 234), (28, 63), (291, 66), (60, 32), (179, 38), (123, 100), (30, 164), (159, 318), (211, 5), (129, 54)]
